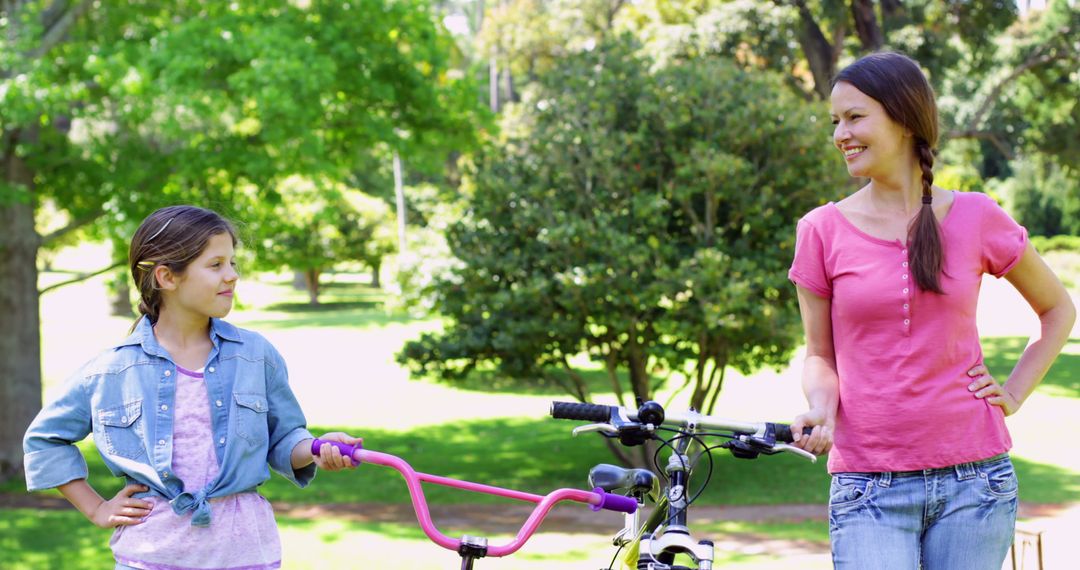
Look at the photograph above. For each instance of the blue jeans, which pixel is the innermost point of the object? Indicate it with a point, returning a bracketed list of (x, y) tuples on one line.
[(953, 518)]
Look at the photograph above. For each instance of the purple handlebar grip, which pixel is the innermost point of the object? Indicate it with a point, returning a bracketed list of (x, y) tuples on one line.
[(345, 449), (614, 502)]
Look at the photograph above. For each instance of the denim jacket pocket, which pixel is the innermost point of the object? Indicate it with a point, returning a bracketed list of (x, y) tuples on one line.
[(122, 430), (251, 420)]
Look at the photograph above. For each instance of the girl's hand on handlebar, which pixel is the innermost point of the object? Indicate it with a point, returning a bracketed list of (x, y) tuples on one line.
[(329, 457), (820, 441)]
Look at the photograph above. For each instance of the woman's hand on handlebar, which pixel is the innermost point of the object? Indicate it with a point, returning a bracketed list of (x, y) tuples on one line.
[(330, 457), (820, 441)]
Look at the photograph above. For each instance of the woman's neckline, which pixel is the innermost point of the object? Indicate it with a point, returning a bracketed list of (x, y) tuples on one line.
[(879, 240)]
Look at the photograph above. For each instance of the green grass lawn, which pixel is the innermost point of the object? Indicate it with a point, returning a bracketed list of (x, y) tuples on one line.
[(539, 456), (28, 541)]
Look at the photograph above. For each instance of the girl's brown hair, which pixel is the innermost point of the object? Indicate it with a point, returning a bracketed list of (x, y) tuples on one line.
[(171, 237), (895, 81)]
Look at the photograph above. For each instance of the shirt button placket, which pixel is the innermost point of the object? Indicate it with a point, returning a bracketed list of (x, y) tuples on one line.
[(904, 276)]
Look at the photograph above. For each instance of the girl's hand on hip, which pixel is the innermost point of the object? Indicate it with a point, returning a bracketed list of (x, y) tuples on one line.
[(820, 441), (329, 457), (123, 509), (984, 386)]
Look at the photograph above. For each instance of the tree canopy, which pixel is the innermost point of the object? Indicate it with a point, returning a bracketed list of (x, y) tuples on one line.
[(111, 109), (644, 216)]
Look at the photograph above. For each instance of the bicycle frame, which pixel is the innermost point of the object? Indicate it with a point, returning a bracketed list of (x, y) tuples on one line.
[(470, 547)]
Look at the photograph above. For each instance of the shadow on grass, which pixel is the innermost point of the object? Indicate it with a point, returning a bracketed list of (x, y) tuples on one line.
[(33, 539), (597, 382), (1063, 379), (346, 304)]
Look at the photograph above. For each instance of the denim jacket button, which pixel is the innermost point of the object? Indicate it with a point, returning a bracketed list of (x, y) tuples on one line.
[(221, 441), (211, 369), (164, 407), (168, 373), (219, 403)]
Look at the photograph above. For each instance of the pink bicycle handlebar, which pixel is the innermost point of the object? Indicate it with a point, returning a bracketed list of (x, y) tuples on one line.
[(596, 499)]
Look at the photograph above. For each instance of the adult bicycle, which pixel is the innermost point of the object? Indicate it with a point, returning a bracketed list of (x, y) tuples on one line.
[(665, 535)]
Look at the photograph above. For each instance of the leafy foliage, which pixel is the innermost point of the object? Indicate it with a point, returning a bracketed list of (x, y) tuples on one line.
[(644, 217)]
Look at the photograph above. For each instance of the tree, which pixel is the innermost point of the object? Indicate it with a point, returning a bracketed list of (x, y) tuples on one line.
[(643, 218), (319, 224), (112, 109)]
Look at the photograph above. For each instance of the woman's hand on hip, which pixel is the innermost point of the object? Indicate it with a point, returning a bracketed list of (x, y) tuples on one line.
[(820, 440), (984, 386)]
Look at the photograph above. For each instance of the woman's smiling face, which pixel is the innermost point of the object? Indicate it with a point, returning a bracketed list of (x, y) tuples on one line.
[(873, 145)]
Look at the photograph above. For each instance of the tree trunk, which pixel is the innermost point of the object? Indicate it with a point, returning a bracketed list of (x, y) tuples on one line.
[(20, 343), (637, 362), (866, 25), (820, 54), (311, 279), (376, 282), (121, 295), (299, 281)]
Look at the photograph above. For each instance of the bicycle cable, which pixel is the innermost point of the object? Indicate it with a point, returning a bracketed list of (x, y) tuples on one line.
[(656, 463), (611, 566)]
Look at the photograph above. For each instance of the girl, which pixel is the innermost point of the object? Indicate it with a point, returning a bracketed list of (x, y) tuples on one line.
[(888, 279), (189, 409)]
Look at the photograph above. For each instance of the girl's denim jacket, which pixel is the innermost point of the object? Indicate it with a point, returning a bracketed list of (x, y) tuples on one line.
[(125, 397)]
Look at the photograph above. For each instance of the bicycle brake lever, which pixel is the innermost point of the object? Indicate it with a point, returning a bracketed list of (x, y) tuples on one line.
[(796, 450), (605, 428)]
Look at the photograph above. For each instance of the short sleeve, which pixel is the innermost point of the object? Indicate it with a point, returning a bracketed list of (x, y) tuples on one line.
[(808, 267), (1003, 240)]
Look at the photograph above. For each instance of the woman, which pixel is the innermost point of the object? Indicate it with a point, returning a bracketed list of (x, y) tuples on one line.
[(888, 280)]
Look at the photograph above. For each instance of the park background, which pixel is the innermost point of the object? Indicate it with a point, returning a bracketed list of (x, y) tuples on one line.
[(454, 212)]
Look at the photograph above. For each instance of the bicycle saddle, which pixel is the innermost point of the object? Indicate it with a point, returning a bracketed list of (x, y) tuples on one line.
[(639, 481)]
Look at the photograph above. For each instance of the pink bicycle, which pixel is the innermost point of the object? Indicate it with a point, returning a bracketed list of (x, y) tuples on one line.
[(471, 548)]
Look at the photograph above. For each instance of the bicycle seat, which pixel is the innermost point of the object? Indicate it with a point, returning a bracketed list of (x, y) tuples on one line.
[(639, 481)]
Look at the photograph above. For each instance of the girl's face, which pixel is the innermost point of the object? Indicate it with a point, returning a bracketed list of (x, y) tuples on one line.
[(873, 145), (207, 285)]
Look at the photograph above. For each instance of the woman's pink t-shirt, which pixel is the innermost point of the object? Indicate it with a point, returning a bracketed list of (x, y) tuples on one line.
[(902, 354)]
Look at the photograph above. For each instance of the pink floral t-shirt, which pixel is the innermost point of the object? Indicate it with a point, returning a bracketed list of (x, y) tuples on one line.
[(242, 534), (902, 354)]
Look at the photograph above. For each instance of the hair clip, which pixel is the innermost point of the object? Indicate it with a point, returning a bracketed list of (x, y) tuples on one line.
[(927, 199), (157, 233)]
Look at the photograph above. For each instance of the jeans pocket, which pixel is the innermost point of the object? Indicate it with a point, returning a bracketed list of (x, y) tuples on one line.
[(999, 478), (850, 490), (251, 420), (122, 431)]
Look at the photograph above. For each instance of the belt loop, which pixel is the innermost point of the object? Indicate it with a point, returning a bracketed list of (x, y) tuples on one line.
[(965, 471), (884, 479)]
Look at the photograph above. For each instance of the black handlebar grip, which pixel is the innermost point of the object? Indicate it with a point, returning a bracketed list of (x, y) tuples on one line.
[(783, 432), (579, 411)]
